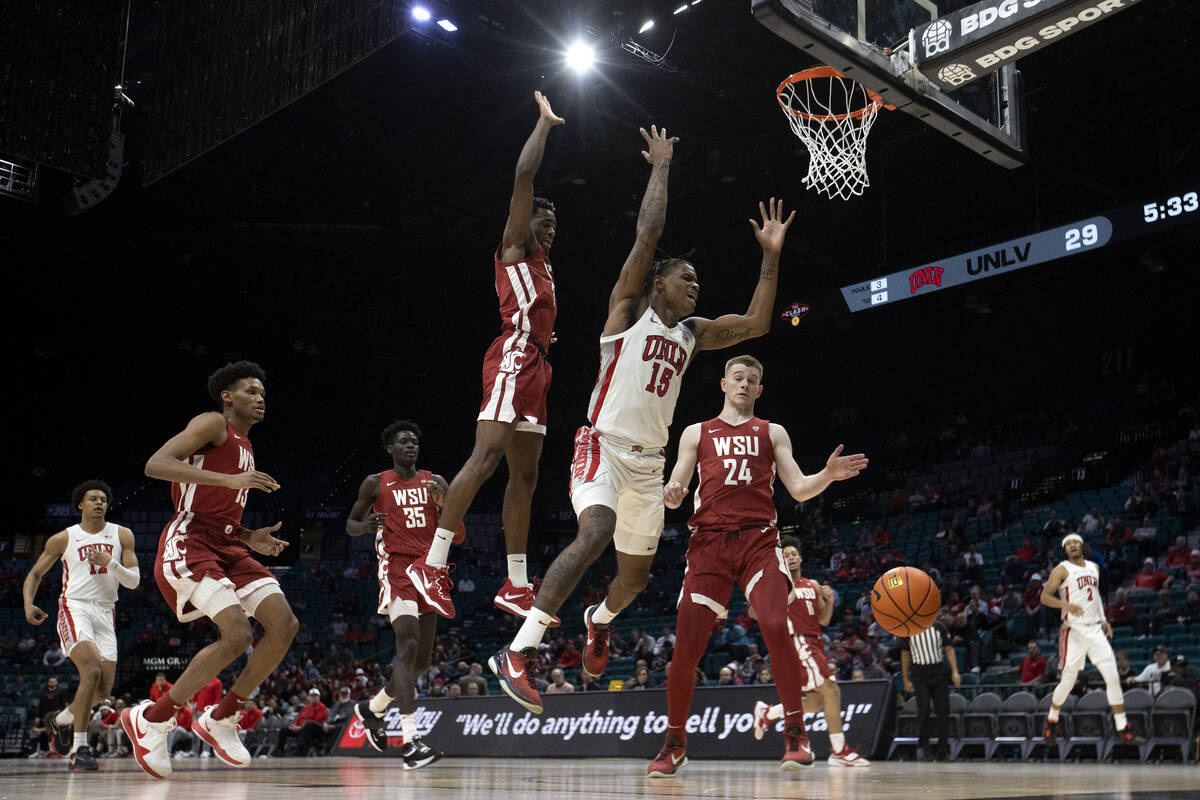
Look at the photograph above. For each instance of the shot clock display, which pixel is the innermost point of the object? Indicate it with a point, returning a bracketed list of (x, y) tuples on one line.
[(1182, 208)]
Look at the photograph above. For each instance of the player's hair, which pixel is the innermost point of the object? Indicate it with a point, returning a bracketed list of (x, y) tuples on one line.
[(396, 427), (230, 374), (664, 265), (82, 489), (749, 361), (542, 202), (789, 541)]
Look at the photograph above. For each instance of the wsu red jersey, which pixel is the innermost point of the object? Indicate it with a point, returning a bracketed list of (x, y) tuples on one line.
[(737, 469), (526, 292), (805, 609), (216, 506), (412, 516)]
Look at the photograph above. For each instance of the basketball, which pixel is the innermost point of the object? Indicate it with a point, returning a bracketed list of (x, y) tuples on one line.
[(905, 601)]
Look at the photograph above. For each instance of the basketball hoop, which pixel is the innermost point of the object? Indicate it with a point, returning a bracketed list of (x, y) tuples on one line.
[(832, 115)]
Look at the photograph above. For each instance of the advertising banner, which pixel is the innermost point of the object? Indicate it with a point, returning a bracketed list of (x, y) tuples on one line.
[(628, 724)]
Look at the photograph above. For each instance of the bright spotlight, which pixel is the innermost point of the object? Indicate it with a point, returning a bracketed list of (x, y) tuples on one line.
[(580, 56), (681, 9), (647, 25), (447, 25), (421, 13)]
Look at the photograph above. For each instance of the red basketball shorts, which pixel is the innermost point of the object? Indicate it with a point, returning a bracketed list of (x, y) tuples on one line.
[(397, 595), (516, 378), (716, 560)]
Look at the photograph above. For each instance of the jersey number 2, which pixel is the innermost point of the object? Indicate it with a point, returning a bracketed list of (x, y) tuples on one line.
[(659, 384), (414, 517), (743, 471)]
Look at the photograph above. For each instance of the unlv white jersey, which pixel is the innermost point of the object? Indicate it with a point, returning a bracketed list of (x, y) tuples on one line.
[(1082, 587), (638, 384), (83, 580)]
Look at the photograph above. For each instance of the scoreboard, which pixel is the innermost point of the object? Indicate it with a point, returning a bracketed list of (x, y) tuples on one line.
[(1093, 233)]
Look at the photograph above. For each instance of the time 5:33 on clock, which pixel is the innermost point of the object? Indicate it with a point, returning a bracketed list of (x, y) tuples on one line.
[(1172, 207)]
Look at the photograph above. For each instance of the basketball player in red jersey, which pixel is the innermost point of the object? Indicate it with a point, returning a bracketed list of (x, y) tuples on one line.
[(810, 609), (734, 539), (96, 555), (516, 377), (617, 472), (204, 568), (400, 506)]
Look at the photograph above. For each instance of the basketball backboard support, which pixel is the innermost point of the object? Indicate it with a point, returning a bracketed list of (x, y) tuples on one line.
[(869, 41)]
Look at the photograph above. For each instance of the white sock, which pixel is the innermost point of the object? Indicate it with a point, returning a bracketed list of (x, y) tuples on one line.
[(439, 551), (380, 702), (1121, 720), (532, 630), (516, 570), (408, 724), (65, 717), (775, 711), (1052, 714), (80, 741), (602, 616), (837, 741)]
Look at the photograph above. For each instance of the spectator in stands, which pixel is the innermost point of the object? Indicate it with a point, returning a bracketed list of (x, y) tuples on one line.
[(1151, 677), (558, 683), (1053, 527), (53, 656), (963, 633), (1146, 537), (972, 565), (665, 643), (1032, 667), (570, 657), (113, 735), (870, 670), (306, 727), (182, 732), (1193, 568), (160, 687), (1091, 523), (250, 717), (475, 676), (440, 690), (1182, 675), (881, 538), (1150, 579), (1180, 554), (1032, 600), (1124, 669), (1026, 552), (1183, 505), (764, 676), (726, 677), (1167, 613), (639, 680), (1191, 609), (1117, 535), (589, 684), (1121, 612)]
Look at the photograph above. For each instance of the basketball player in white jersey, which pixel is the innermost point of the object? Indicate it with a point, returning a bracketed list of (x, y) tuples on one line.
[(1074, 587), (96, 555), (617, 470)]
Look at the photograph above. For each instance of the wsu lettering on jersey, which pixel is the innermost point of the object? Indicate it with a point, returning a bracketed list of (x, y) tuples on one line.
[(412, 516), (736, 464)]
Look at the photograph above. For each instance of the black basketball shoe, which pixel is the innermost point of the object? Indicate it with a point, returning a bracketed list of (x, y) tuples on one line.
[(417, 754), (372, 725), (1050, 734), (1127, 736), (82, 759), (61, 736)]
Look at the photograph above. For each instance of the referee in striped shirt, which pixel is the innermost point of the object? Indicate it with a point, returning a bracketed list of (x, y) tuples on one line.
[(923, 662)]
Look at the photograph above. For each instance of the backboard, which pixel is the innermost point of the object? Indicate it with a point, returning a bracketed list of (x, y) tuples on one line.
[(869, 41)]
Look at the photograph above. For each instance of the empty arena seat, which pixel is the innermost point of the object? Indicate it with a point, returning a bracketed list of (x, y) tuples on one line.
[(1014, 725), (1171, 722), (979, 724), (1091, 725)]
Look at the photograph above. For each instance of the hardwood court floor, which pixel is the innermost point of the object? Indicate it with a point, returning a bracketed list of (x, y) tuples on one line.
[(559, 779)]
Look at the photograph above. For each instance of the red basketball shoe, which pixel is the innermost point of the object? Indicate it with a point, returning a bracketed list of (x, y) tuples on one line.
[(847, 757), (595, 653), (434, 584), (516, 672), (518, 601), (672, 757), (761, 720), (796, 753)]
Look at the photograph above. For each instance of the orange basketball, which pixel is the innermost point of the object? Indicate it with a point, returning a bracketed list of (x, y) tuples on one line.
[(905, 601)]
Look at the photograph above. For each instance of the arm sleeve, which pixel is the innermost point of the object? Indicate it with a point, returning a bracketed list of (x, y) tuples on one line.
[(129, 577)]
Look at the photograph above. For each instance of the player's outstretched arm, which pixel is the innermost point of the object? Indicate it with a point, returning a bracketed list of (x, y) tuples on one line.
[(55, 546), (515, 244), (169, 463), (629, 289), (685, 466), (362, 518), (729, 329), (805, 487)]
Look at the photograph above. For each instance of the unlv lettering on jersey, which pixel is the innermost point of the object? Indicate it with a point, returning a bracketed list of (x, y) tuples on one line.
[(407, 497), (99, 547), (736, 445), (1084, 581), (663, 349)]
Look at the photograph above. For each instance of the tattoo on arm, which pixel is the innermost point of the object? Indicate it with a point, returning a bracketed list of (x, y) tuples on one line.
[(729, 337), (770, 269)]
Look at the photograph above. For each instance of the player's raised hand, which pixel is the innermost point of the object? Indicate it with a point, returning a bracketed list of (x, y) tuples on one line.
[(840, 467), (34, 615), (774, 227), (99, 558), (673, 494), (437, 492), (252, 480), (260, 540), (544, 107), (659, 147)]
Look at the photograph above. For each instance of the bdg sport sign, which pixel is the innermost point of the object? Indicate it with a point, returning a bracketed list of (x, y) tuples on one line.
[(962, 46), (623, 724)]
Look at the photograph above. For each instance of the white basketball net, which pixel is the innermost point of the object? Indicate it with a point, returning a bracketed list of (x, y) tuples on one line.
[(832, 115)]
